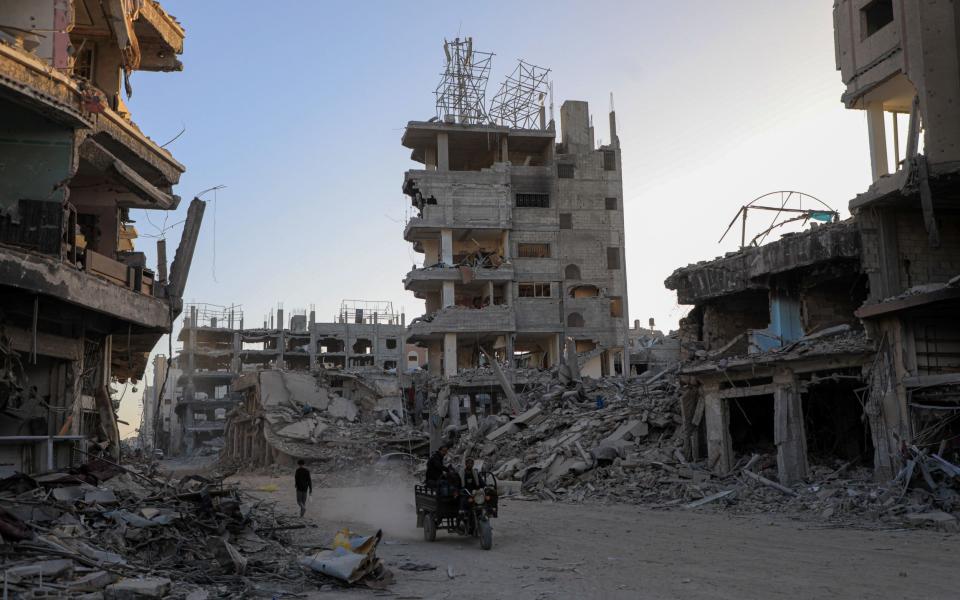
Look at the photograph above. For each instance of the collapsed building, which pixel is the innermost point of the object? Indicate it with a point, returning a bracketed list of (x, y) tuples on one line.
[(79, 306), (842, 340), (339, 417), (217, 348)]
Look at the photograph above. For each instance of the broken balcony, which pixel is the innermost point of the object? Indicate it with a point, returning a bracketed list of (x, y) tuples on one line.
[(430, 279), (457, 199), (458, 319)]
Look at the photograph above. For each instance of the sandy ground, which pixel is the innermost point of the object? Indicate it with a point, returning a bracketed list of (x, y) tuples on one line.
[(546, 551)]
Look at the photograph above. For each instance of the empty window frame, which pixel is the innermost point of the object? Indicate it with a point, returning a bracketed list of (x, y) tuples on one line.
[(609, 160), (874, 16), (565, 170), (566, 220), (531, 250), (533, 290), (391, 343), (616, 306), (610, 203), (575, 320), (613, 258), (532, 200)]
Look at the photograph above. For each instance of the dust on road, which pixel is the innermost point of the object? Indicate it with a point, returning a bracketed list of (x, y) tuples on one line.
[(545, 551)]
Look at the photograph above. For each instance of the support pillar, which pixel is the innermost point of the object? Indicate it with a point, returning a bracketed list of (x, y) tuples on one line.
[(490, 291), (876, 132), (446, 247), (449, 354), (430, 158), (788, 429), (434, 352), (443, 152), (504, 150), (719, 444), (447, 295)]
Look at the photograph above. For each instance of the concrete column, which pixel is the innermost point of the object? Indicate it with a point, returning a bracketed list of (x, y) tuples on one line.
[(504, 150), (434, 351), (449, 354), (446, 246), (313, 343), (453, 409), (237, 347), (788, 430), (719, 444), (188, 424), (490, 291), (281, 343), (555, 351), (612, 361), (443, 152), (191, 361), (614, 141), (448, 295), (876, 132), (430, 158), (509, 352), (508, 292), (506, 245)]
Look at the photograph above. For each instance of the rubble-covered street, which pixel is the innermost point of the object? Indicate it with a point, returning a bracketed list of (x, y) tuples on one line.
[(417, 319), (555, 550)]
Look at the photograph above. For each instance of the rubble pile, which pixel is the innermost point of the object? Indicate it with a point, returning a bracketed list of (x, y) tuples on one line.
[(618, 440), (104, 531), (925, 493), (581, 441), (351, 420)]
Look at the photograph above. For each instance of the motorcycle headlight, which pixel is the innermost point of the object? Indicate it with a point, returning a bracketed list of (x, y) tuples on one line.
[(478, 497)]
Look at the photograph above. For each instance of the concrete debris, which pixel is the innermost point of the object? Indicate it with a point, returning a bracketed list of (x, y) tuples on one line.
[(194, 538), (340, 419), (631, 450), (353, 559)]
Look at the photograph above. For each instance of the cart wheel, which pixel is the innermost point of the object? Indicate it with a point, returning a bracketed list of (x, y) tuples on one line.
[(429, 528), (486, 535)]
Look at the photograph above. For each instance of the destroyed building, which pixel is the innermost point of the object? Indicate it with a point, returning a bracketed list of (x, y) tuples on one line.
[(339, 417), (522, 235), (842, 340), (217, 348), (650, 348), (79, 306)]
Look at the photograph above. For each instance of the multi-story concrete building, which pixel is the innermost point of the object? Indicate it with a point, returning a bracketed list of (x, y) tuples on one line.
[(522, 241), (217, 348), (79, 306)]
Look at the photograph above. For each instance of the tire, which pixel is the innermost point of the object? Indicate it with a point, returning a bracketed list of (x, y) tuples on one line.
[(486, 535), (429, 528)]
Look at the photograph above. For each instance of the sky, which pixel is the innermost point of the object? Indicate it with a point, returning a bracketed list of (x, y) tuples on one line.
[(298, 111)]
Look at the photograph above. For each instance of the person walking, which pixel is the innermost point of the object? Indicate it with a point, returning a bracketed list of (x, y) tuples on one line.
[(301, 479)]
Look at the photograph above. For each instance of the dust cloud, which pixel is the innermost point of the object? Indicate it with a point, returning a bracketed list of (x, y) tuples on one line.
[(380, 499)]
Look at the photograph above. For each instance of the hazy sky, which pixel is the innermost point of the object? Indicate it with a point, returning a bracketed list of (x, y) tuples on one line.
[(298, 108)]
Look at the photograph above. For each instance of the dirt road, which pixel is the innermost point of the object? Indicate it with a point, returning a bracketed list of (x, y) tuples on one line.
[(546, 551)]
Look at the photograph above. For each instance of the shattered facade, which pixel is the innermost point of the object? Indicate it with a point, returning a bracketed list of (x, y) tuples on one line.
[(218, 348), (522, 241), (79, 306), (842, 341)]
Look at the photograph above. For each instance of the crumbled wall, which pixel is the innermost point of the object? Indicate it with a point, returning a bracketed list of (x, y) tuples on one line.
[(726, 318)]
